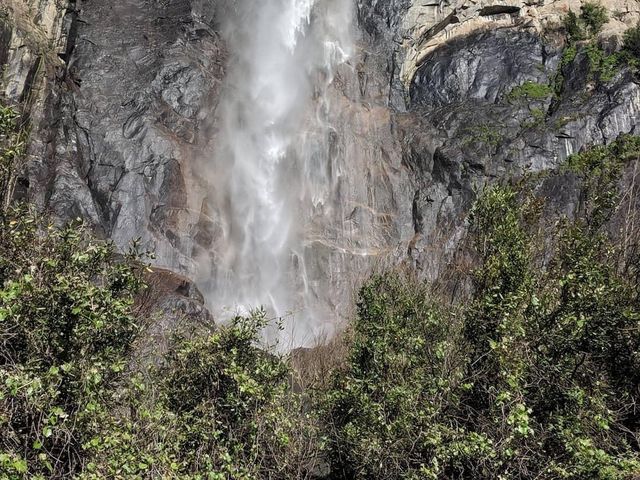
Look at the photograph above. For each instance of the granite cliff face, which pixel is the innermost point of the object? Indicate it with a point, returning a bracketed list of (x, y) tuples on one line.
[(118, 97), (129, 119), (462, 118), (433, 105)]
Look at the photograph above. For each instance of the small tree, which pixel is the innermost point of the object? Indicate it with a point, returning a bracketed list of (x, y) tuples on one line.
[(632, 41), (592, 18), (393, 410), (573, 28), (218, 407), (594, 15)]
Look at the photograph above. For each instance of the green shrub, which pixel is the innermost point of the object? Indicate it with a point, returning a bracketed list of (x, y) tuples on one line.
[(632, 41), (218, 407), (600, 167), (602, 67), (568, 55), (594, 16), (65, 331), (8, 117), (233, 399), (531, 91), (391, 411), (573, 27)]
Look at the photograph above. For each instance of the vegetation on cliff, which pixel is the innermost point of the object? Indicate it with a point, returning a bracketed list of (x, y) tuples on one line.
[(593, 16), (536, 378), (535, 375), (581, 32)]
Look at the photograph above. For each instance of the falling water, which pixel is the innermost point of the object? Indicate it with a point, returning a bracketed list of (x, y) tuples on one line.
[(272, 166)]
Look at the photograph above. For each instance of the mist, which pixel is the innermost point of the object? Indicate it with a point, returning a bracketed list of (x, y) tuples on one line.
[(271, 172)]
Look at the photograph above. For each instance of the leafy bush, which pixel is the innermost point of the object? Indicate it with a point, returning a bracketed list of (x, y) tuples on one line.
[(573, 27), (602, 66), (65, 331), (594, 16), (388, 409), (600, 168), (568, 55), (219, 407), (536, 378), (632, 41), (70, 406), (235, 409)]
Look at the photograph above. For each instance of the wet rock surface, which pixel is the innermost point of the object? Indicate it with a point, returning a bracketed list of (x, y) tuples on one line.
[(128, 121)]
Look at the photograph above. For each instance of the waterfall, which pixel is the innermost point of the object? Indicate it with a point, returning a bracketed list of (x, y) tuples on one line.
[(272, 169)]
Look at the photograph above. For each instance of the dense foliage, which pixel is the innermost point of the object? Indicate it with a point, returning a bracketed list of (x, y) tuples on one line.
[(219, 407), (583, 49), (72, 406), (535, 376), (592, 18), (65, 332), (632, 41), (604, 64)]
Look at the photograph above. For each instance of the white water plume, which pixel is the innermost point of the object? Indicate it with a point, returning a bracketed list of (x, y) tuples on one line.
[(271, 170)]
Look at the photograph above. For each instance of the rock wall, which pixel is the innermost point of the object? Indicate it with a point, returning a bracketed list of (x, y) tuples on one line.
[(32, 35), (33, 40), (426, 117), (117, 97), (126, 118), (450, 70)]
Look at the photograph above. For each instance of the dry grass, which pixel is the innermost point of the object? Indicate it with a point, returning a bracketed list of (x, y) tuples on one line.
[(313, 367)]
